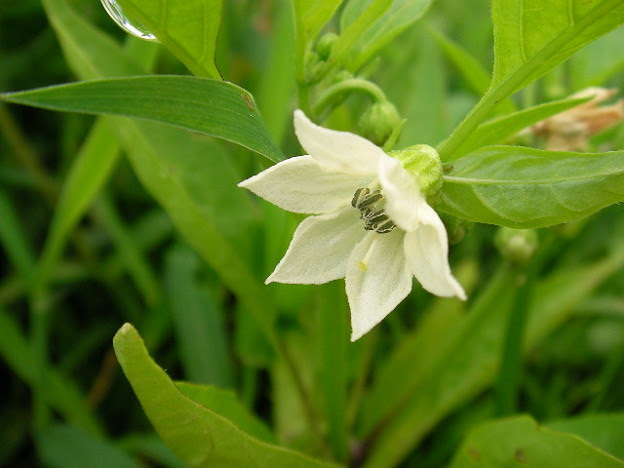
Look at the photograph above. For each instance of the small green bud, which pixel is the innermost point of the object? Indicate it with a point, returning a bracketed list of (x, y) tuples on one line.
[(423, 162), (378, 122), (325, 44), (516, 245)]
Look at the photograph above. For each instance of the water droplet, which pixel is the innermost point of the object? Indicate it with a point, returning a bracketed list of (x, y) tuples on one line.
[(116, 13)]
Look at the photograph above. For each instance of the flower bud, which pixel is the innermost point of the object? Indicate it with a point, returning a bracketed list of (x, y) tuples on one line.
[(423, 163), (378, 122), (325, 44), (516, 245)]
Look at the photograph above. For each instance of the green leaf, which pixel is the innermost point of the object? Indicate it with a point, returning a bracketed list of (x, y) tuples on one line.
[(343, 49), (56, 442), (226, 403), (199, 436), (501, 128), (605, 431), (201, 334), (400, 15), (477, 77), (89, 52), (87, 175), (14, 240), (203, 105), (530, 38), (527, 188), (188, 28), (520, 441)]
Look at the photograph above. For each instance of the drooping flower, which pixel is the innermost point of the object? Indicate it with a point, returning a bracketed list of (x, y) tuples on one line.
[(371, 222)]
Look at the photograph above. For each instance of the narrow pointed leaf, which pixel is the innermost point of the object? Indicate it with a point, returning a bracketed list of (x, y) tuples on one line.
[(527, 188), (525, 443), (198, 435), (188, 28), (498, 130), (203, 105)]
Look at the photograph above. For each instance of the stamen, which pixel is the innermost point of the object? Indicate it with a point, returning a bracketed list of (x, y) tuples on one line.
[(374, 219)]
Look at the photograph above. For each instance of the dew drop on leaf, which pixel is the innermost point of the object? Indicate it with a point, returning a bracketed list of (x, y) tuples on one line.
[(116, 13)]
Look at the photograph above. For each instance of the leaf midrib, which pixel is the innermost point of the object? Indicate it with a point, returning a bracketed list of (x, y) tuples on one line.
[(474, 181)]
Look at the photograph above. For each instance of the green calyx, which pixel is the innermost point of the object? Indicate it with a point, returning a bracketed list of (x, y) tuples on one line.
[(424, 164)]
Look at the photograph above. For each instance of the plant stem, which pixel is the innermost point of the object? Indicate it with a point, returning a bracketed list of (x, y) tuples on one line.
[(352, 84), (478, 114)]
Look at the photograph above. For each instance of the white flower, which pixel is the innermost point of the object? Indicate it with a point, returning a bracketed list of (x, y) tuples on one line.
[(378, 262)]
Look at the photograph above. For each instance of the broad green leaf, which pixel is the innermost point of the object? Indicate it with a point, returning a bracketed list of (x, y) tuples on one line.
[(397, 18), (198, 323), (61, 393), (465, 362), (501, 128), (198, 435), (203, 105), (605, 431), (520, 441), (530, 38), (527, 188), (188, 28), (226, 403), (64, 446)]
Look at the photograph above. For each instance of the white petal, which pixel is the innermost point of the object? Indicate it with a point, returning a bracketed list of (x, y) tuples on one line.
[(339, 151), (426, 249), (320, 248), (302, 185), (401, 192), (378, 278)]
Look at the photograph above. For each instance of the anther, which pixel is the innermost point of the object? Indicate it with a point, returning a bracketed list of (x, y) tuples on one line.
[(374, 219)]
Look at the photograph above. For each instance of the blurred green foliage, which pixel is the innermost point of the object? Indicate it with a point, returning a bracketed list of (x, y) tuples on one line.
[(82, 207)]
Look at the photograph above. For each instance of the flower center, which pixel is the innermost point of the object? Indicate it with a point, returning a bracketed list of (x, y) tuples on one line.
[(374, 219)]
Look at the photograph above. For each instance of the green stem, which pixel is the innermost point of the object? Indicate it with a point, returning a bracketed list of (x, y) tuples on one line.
[(352, 84), (478, 114)]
